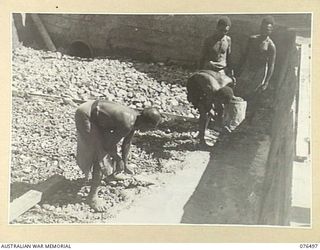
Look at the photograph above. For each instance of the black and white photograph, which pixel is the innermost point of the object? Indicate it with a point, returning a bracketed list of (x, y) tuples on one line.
[(161, 119)]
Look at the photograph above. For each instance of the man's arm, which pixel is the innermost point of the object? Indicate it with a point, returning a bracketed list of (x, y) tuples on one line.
[(271, 62), (111, 139), (229, 53), (229, 70), (126, 147)]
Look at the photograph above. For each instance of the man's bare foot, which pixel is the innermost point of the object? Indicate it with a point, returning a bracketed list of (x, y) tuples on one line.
[(119, 176), (226, 130), (98, 204), (217, 130), (203, 144)]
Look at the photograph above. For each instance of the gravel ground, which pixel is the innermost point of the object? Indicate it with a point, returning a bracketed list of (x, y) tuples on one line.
[(44, 136)]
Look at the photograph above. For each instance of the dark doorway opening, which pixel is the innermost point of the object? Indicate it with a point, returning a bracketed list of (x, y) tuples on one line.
[(80, 49)]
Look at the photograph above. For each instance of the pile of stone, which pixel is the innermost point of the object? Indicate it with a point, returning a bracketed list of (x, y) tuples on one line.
[(132, 83)]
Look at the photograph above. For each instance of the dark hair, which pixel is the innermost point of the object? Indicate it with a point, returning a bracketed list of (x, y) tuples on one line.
[(268, 20), (224, 20), (151, 115)]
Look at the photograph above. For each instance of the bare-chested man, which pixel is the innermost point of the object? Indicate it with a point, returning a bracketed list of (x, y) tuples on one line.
[(257, 65), (208, 100), (204, 86), (217, 48), (101, 124)]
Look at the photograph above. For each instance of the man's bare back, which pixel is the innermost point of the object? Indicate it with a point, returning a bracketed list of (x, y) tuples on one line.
[(101, 125), (114, 120)]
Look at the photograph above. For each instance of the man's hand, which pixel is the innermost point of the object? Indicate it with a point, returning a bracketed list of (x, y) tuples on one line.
[(234, 81), (230, 72), (120, 166), (264, 86), (121, 170)]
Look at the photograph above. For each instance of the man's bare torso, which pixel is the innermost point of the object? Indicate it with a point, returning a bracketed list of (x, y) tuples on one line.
[(115, 118), (259, 51)]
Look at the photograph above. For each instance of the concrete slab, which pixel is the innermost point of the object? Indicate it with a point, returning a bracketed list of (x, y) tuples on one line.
[(164, 205)]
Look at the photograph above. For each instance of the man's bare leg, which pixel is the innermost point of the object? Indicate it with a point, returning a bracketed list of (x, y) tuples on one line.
[(93, 200), (203, 123), (219, 117)]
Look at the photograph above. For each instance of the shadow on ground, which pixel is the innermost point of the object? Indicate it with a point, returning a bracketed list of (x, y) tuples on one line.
[(230, 190), (55, 190)]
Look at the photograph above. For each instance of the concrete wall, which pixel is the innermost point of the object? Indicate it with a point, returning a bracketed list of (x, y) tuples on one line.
[(27, 33), (278, 180), (15, 38), (166, 38)]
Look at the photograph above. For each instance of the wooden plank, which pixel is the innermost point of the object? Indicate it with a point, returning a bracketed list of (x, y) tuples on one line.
[(24, 203), (33, 197)]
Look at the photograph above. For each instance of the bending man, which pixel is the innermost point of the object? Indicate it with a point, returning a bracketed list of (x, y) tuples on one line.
[(100, 127), (208, 100)]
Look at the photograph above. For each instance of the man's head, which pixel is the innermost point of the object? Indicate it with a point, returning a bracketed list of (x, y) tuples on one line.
[(148, 119), (223, 25), (224, 95), (266, 27)]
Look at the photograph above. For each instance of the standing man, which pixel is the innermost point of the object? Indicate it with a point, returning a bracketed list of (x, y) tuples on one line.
[(101, 124), (256, 65), (207, 89), (217, 49)]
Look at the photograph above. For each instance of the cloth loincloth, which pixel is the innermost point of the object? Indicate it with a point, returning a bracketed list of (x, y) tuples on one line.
[(90, 142)]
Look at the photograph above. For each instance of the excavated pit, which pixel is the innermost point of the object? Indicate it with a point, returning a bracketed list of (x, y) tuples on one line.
[(234, 187)]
